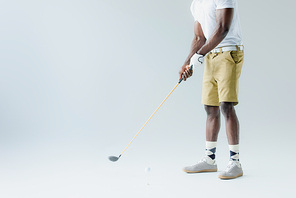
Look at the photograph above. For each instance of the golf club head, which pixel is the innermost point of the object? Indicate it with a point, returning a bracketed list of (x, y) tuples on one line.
[(113, 158)]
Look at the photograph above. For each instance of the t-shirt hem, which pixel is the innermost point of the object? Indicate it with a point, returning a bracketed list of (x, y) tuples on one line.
[(223, 7)]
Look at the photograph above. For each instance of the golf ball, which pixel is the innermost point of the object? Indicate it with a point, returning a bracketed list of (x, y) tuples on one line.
[(147, 169)]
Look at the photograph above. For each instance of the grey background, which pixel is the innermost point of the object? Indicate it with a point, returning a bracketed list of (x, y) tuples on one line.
[(78, 79)]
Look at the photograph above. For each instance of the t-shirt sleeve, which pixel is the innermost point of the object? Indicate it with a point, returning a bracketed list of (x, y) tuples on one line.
[(193, 12), (224, 4)]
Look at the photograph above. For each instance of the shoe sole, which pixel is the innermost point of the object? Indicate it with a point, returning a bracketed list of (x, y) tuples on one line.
[(227, 177), (206, 170)]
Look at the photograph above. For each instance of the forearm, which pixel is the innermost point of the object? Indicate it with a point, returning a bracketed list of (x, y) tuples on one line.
[(217, 36), (196, 45), (223, 19)]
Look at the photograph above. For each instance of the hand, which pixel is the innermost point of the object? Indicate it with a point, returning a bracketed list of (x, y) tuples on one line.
[(197, 60), (185, 72)]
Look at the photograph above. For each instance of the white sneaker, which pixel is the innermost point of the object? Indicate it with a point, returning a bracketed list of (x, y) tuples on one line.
[(233, 170), (201, 166)]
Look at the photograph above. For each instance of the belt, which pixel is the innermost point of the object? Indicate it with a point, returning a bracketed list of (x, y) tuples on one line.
[(228, 48)]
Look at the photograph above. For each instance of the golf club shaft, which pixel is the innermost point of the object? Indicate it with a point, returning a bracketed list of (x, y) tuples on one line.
[(181, 79), (152, 115)]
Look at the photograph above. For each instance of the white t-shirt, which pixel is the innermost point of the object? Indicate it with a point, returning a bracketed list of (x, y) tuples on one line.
[(203, 11)]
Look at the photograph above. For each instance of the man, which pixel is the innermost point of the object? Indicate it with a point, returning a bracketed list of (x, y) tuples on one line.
[(217, 42)]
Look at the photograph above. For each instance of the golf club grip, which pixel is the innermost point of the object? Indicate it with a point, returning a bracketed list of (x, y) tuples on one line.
[(190, 68)]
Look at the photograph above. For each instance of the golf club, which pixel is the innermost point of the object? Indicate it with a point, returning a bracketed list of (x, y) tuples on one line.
[(114, 158)]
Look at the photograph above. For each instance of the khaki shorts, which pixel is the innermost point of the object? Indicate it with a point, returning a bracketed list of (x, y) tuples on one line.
[(221, 75)]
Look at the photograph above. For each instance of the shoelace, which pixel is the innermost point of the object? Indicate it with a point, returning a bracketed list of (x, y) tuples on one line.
[(230, 166), (204, 160)]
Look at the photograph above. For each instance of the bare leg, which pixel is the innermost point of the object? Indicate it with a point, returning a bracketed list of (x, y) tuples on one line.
[(231, 122), (213, 123)]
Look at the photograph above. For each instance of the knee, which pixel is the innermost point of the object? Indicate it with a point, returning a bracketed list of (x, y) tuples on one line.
[(212, 111), (227, 108)]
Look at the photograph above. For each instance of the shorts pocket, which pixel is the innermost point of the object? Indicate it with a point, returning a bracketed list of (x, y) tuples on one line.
[(237, 56), (233, 55)]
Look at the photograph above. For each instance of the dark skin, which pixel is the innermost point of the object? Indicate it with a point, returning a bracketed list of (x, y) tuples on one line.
[(213, 122), (202, 46)]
